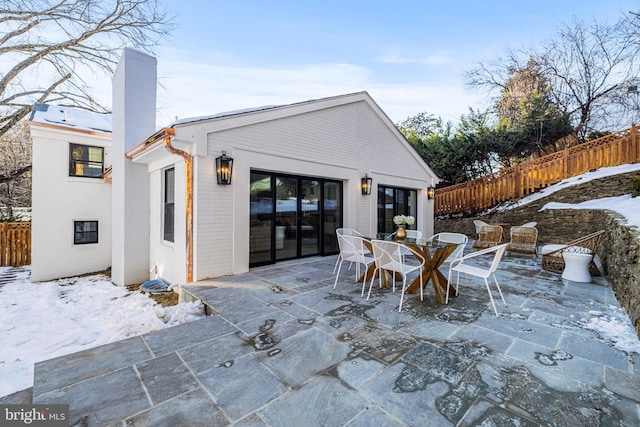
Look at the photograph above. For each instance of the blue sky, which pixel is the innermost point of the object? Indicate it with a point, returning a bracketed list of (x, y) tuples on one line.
[(410, 56)]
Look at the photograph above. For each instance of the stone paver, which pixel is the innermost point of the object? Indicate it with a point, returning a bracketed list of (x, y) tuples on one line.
[(288, 350)]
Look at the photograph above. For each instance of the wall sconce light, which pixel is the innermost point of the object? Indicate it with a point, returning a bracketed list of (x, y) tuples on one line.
[(431, 193), (224, 168), (366, 185)]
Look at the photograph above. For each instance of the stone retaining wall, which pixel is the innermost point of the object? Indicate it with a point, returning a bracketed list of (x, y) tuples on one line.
[(619, 251)]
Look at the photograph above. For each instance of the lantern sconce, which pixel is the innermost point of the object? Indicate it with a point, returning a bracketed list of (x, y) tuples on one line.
[(224, 168), (431, 193), (366, 185)]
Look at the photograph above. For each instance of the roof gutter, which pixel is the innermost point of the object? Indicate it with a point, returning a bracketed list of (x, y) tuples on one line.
[(167, 134)]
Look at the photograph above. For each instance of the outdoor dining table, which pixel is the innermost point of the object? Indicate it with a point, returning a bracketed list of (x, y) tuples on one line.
[(434, 254)]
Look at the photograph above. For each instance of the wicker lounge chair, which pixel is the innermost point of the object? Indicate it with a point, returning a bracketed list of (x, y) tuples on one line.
[(524, 240), (489, 235), (553, 260)]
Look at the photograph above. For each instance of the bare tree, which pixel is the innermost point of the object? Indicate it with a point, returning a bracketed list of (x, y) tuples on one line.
[(15, 168), (588, 67), (518, 89), (591, 68), (50, 45)]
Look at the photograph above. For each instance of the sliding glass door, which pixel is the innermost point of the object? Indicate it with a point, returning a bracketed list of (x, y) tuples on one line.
[(262, 219), (310, 224), (286, 217), (292, 217)]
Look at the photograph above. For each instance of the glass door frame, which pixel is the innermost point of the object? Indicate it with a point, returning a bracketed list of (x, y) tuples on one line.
[(403, 208), (322, 247)]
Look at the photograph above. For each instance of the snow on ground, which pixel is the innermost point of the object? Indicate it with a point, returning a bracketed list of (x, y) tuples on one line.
[(627, 206), (615, 328), (40, 321)]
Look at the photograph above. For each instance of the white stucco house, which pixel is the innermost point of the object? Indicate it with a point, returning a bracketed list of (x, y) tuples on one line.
[(71, 206), (296, 174)]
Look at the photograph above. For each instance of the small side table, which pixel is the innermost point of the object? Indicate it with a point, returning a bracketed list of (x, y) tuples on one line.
[(576, 266)]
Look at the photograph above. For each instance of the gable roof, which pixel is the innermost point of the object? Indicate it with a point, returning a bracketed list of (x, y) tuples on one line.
[(244, 117), (223, 114), (70, 118), (303, 106)]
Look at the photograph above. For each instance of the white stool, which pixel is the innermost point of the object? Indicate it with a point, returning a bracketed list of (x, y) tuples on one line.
[(576, 266)]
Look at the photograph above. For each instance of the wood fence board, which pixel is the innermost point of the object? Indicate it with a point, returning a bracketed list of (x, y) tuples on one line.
[(611, 150), (15, 244)]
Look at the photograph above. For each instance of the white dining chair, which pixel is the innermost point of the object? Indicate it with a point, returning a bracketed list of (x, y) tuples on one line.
[(344, 232), (411, 234), (414, 234), (388, 257), (462, 265), (479, 224), (347, 231), (352, 249), (458, 238)]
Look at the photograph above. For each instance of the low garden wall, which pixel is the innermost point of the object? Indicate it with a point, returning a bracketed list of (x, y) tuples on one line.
[(619, 250)]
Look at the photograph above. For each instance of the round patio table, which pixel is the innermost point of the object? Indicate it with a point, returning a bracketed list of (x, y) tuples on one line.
[(441, 251), (434, 253)]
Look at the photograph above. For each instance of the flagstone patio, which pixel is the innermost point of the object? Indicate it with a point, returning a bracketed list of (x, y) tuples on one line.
[(285, 349)]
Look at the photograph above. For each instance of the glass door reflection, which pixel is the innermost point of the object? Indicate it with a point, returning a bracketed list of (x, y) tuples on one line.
[(332, 214), (309, 226), (261, 219), (287, 217)]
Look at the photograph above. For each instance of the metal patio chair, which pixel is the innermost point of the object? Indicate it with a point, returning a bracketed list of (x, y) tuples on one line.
[(462, 265), (389, 257), (352, 249)]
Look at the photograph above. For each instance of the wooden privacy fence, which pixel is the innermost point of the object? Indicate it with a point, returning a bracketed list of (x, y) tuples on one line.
[(15, 244), (521, 180)]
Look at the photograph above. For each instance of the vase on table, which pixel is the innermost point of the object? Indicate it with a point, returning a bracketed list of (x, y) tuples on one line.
[(401, 233)]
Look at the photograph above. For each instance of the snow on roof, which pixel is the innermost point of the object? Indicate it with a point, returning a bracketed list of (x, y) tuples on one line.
[(72, 117)]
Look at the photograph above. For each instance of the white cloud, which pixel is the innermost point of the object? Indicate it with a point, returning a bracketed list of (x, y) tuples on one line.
[(417, 58), (194, 88), (209, 85)]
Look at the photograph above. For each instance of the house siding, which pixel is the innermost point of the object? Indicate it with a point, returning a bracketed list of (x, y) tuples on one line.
[(342, 142), (59, 200), (167, 259), (214, 238)]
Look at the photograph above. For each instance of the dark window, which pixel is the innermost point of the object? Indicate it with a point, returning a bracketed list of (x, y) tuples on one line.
[(169, 202), (85, 160), (85, 232), (394, 201)]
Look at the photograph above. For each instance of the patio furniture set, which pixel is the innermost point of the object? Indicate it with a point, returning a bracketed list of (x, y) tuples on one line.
[(385, 258), (573, 259)]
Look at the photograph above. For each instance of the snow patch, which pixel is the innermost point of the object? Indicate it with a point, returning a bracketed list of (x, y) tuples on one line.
[(40, 321)]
